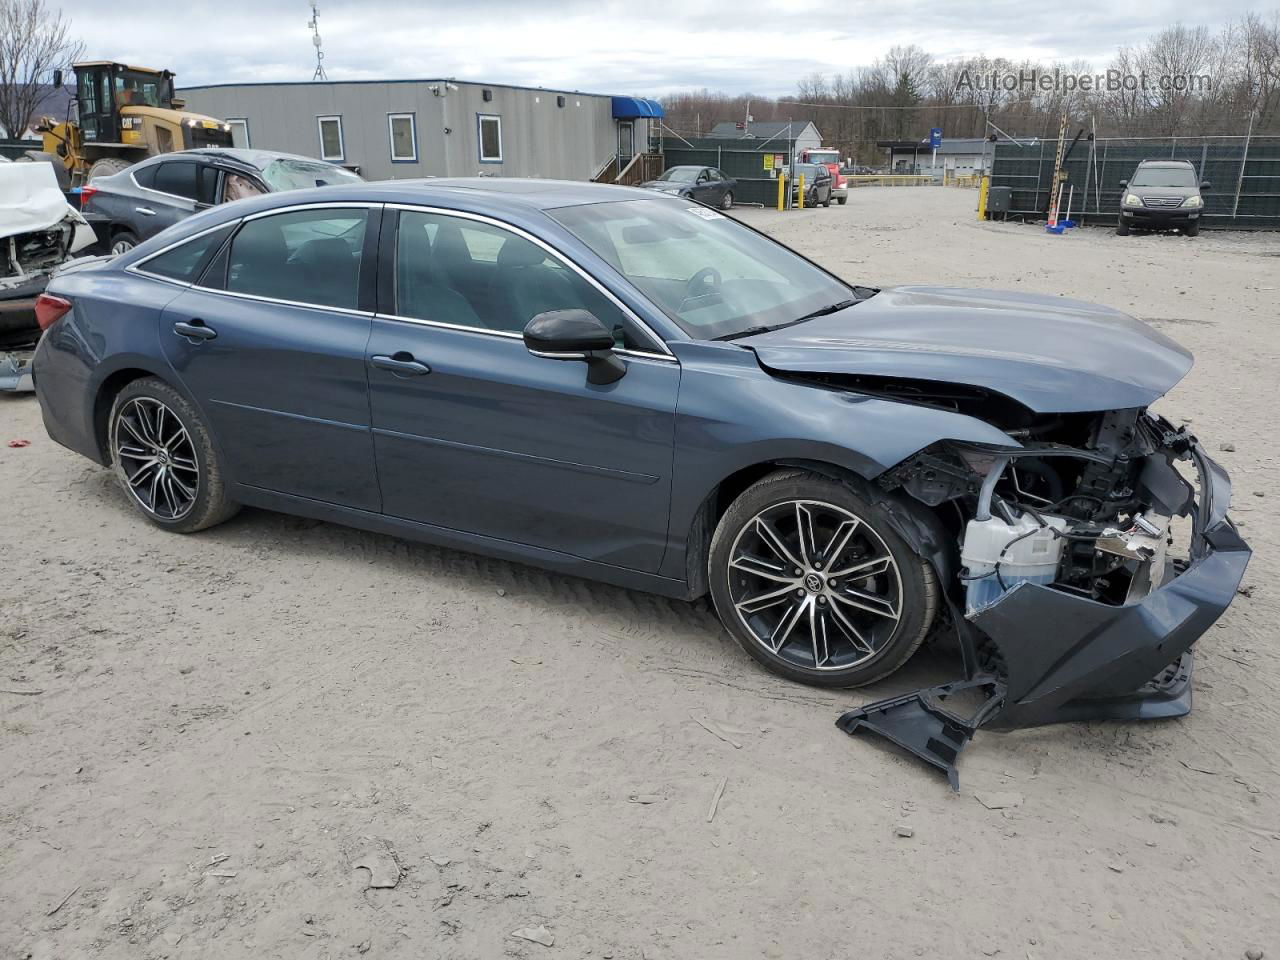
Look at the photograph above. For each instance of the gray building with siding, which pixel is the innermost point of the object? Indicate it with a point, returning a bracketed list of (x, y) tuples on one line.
[(400, 129)]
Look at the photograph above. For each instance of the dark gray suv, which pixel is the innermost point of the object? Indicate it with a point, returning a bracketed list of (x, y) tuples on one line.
[(1162, 194), (144, 199)]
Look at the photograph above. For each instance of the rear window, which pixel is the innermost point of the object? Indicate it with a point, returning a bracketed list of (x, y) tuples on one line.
[(186, 261)]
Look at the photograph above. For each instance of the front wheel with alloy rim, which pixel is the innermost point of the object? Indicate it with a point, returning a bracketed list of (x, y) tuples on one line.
[(727, 202), (811, 579), (164, 460)]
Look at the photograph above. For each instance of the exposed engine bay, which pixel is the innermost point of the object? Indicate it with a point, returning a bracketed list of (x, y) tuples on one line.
[(1066, 599), (1084, 504)]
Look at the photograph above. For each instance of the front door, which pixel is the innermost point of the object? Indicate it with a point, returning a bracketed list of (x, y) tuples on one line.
[(96, 110), (626, 142), (474, 433), (275, 356)]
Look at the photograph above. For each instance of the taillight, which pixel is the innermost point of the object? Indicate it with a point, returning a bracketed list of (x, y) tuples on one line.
[(50, 309), (86, 193)]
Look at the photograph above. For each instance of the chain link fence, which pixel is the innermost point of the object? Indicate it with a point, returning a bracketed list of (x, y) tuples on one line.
[(1244, 173), (744, 160)]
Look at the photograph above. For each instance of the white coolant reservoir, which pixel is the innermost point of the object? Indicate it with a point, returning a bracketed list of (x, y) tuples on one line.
[(1026, 551)]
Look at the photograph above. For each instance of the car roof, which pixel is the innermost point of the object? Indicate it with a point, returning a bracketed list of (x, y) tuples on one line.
[(1165, 163), (259, 159), (521, 202), (464, 192)]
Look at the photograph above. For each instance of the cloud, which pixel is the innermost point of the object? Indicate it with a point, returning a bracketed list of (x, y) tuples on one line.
[(758, 46)]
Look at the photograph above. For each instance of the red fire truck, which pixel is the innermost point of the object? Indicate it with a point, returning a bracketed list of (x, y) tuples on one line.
[(829, 157)]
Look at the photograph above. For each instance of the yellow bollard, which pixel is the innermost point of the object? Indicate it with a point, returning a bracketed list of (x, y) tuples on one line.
[(782, 184), (982, 197), (800, 193)]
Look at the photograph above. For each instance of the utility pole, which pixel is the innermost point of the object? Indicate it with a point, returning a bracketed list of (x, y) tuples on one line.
[(314, 24)]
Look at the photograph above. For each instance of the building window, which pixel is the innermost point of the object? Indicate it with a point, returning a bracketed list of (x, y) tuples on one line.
[(403, 130), (490, 138), (239, 132), (331, 147)]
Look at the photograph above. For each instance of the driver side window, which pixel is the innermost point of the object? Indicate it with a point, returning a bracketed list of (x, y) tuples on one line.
[(468, 273)]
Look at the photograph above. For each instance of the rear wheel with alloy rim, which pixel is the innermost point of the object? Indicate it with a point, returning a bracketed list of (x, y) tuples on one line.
[(812, 581), (727, 202), (122, 241), (164, 459)]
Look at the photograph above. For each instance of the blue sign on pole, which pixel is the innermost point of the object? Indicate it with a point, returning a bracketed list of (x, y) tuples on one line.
[(935, 137)]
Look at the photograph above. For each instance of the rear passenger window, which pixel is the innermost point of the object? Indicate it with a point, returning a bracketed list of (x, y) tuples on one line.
[(308, 256), (145, 176), (177, 177), (186, 261)]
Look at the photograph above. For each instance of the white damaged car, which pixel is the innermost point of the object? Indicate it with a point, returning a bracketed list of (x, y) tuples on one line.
[(39, 231)]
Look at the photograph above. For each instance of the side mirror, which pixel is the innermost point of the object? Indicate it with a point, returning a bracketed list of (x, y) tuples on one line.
[(57, 77), (1205, 184), (1124, 183), (575, 335)]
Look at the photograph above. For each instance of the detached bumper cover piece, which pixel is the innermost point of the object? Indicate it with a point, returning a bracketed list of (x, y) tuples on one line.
[(1065, 657)]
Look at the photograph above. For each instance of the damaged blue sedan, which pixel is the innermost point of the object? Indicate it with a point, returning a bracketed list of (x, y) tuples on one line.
[(638, 389)]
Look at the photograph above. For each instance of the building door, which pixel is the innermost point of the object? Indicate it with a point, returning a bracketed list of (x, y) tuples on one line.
[(626, 142)]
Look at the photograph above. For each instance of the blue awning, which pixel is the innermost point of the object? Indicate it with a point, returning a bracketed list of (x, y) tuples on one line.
[(629, 108)]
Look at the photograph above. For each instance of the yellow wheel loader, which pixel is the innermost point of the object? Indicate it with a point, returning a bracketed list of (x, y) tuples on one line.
[(122, 114)]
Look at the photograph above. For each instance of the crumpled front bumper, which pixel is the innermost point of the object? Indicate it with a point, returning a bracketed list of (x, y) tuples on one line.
[(1065, 657)]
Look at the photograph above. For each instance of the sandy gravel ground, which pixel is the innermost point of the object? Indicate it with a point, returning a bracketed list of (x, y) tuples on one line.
[(228, 725)]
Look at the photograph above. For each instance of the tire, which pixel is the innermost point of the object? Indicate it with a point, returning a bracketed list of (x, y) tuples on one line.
[(184, 498), (107, 166), (889, 609), (727, 202), (1122, 228), (842, 200), (1192, 229), (827, 202), (122, 241)]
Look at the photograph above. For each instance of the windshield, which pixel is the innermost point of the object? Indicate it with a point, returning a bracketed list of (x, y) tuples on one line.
[(134, 89), (824, 156), (1164, 177), (681, 174), (711, 275), (299, 174)]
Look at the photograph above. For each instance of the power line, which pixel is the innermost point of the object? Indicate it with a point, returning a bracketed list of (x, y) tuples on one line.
[(920, 106)]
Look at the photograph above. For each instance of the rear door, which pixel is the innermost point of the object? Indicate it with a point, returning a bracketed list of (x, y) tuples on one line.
[(167, 195), (271, 344)]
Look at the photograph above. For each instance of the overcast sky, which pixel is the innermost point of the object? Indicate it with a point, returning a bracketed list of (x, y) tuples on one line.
[(758, 46)]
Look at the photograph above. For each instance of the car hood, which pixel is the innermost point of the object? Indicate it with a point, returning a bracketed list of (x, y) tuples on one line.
[(665, 185), (1051, 354)]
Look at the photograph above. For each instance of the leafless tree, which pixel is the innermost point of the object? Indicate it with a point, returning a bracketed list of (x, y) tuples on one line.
[(903, 93), (34, 41)]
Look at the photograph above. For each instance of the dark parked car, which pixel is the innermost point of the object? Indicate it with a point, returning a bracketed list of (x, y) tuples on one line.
[(141, 200), (638, 389), (817, 184), (1162, 194), (704, 184)]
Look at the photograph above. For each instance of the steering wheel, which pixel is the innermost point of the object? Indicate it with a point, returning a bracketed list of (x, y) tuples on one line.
[(704, 283)]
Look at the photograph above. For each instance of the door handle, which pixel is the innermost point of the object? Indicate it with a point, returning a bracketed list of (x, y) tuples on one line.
[(401, 363), (145, 211), (194, 330)]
